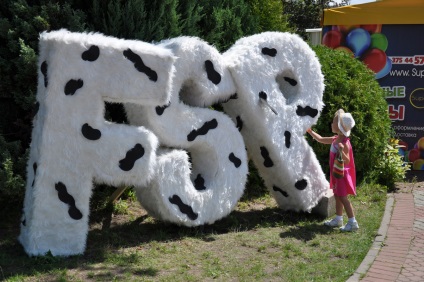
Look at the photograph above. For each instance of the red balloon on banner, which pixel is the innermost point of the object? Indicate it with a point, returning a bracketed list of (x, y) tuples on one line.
[(372, 28), (375, 59), (384, 71), (332, 39), (414, 155)]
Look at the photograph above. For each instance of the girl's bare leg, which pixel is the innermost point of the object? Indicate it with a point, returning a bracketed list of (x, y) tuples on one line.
[(347, 206), (339, 206)]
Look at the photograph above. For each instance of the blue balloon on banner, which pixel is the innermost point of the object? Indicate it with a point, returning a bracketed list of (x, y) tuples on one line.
[(358, 40)]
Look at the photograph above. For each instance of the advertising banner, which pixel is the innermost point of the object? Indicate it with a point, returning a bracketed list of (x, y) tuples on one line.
[(395, 52)]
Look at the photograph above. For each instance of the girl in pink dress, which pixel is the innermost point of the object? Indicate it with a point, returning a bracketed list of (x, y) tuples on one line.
[(342, 187)]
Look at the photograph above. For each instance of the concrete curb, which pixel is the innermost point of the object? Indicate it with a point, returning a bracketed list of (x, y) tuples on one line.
[(377, 244)]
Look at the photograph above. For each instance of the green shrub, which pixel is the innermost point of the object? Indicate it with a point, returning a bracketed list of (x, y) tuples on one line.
[(392, 167), (350, 85), (135, 19), (12, 172), (20, 24)]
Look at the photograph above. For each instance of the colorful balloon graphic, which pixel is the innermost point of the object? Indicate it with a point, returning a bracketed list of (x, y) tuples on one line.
[(379, 41), (418, 164), (414, 155), (403, 145), (332, 39), (385, 71), (366, 42), (375, 59), (326, 29), (358, 40), (420, 143), (372, 28), (345, 29)]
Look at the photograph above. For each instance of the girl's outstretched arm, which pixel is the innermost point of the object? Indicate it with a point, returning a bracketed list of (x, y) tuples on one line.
[(319, 138)]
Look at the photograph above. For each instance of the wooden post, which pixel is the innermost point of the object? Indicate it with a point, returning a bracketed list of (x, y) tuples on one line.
[(118, 192)]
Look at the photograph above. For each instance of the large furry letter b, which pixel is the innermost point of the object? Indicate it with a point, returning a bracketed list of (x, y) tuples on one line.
[(280, 87), (209, 188), (72, 144)]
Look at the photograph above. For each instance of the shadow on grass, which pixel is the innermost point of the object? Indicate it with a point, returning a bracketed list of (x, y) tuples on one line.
[(109, 237), (307, 232), (142, 231)]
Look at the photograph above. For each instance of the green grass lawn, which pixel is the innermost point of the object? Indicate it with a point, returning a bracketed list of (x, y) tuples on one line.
[(256, 242)]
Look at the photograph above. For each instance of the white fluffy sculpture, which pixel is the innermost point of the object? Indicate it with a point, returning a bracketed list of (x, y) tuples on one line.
[(200, 174), (72, 144), (209, 187), (279, 95)]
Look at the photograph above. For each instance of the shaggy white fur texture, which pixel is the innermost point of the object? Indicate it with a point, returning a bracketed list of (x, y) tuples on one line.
[(210, 187), (200, 173), (279, 95), (72, 144)]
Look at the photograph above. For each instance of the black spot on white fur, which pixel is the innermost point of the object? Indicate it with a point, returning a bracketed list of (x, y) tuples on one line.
[(291, 81), (212, 124), (263, 97), (161, 109), (306, 111), (139, 65), (199, 183), (272, 52), (91, 54), (34, 167), (65, 197), (72, 86), (131, 157), (236, 161), (301, 184), (213, 75), (184, 208), (44, 72), (287, 136), (276, 189), (267, 160), (239, 123), (90, 133)]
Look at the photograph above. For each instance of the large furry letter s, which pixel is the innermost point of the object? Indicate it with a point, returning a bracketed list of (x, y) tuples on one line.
[(209, 187)]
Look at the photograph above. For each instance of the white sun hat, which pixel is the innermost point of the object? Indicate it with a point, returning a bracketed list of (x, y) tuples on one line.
[(346, 123)]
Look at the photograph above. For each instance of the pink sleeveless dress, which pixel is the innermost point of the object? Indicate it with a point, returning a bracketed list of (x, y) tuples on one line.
[(346, 185)]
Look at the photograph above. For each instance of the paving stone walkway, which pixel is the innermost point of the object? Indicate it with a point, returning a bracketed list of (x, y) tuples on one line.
[(399, 254)]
